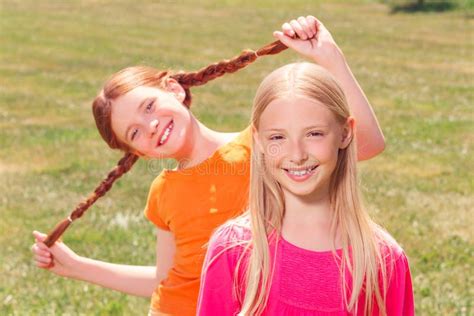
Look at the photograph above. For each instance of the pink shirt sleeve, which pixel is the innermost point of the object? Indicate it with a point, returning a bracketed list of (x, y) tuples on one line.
[(400, 301), (217, 279)]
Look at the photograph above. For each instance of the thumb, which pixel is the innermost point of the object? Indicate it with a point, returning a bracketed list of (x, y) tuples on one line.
[(39, 236), (283, 38)]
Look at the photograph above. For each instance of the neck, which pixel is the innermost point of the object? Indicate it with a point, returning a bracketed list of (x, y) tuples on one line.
[(203, 144), (313, 207), (307, 221)]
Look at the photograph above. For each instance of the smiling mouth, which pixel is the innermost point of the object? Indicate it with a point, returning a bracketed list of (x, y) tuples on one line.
[(300, 172), (165, 134)]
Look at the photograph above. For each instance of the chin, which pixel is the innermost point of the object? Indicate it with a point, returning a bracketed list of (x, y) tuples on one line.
[(299, 191)]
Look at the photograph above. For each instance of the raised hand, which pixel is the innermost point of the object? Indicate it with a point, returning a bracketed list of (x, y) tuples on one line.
[(310, 38)]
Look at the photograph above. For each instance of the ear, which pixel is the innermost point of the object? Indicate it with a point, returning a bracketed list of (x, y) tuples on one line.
[(176, 89), (256, 139), (348, 132)]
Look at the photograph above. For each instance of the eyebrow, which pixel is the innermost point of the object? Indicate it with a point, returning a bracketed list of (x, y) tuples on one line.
[(306, 128), (145, 101)]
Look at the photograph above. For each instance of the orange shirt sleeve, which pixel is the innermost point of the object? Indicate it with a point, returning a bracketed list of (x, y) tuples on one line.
[(154, 205)]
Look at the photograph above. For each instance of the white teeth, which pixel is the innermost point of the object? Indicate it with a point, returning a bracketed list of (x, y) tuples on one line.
[(298, 173), (166, 134), (301, 172)]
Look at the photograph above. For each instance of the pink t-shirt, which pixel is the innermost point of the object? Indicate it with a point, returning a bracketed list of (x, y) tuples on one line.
[(304, 282)]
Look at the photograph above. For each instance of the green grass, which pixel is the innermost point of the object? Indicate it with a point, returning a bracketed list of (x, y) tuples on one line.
[(417, 70)]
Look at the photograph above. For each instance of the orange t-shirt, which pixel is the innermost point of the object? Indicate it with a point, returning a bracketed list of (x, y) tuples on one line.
[(192, 203)]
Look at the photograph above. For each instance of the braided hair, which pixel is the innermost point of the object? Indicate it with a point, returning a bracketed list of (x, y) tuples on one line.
[(130, 78)]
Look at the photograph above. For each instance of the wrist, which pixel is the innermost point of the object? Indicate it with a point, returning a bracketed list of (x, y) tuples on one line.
[(334, 61), (78, 269)]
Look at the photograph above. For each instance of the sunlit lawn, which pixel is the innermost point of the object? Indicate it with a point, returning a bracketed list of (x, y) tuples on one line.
[(417, 70)]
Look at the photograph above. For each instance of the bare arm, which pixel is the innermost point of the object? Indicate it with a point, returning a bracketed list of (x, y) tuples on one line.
[(370, 139), (315, 42), (133, 280)]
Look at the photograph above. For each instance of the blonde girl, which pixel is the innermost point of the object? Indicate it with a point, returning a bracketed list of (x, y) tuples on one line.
[(306, 246), (145, 113)]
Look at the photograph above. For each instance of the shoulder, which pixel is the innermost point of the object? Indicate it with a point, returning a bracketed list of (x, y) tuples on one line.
[(388, 245), (246, 134), (237, 151), (158, 188), (232, 233), (168, 180), (231, 238), (243, 138), (393, 255), (159, 182)]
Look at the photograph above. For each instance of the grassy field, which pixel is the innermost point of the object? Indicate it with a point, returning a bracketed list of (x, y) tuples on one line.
[(417, 70)]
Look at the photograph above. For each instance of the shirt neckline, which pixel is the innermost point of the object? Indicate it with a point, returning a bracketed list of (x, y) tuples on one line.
[(210, 158), (308, 251)]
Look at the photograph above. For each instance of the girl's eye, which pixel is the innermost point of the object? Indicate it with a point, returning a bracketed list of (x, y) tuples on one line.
[(149, 107), (276, 137), (315, 134), (134, 134)]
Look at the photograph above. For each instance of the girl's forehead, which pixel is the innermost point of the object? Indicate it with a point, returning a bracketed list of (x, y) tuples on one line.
[(139, 92), (134, 98), (295, 111)]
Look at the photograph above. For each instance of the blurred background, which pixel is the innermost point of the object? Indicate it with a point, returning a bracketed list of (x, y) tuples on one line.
[(414, 60)]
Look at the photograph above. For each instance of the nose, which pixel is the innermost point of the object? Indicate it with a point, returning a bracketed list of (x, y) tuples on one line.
[(153, 126), (298, 154)]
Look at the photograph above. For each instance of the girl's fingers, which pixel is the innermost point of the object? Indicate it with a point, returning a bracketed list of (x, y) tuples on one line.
[(287, 30), (42, 265), (41, 259), (306, 28), (42, 255), (313, 23), (298, 29), (42, 246), (40, 249)]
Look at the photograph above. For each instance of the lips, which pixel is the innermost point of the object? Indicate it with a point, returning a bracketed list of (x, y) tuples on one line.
[(299, 170), (300, 174), (165, 134)]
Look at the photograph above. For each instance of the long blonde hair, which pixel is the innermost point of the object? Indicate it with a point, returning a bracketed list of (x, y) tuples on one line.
[(360, 236)]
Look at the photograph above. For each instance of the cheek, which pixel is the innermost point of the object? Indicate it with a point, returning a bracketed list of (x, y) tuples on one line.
[(324, 150), (139, 147), (142, 144), (274, 153)]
